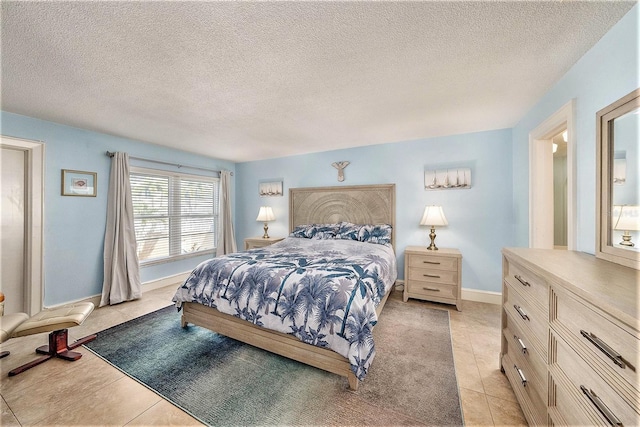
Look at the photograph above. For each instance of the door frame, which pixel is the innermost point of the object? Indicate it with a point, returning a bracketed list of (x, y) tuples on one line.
[(541, 178), (34, 219)]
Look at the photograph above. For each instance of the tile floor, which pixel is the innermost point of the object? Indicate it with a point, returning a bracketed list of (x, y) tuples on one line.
[(91, 392)]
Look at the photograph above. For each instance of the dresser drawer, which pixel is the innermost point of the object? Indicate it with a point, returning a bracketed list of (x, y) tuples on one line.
[(569, 411), (589, 388), (531, 321), (424, 275), (520, 343), (527, 369), (433, 262), (531, 286), (429, 289), (613, 347), (529, 396), (580, 314)]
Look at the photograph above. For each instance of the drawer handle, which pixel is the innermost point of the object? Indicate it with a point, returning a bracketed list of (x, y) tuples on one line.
[(598, 403), (431, 262), (521, 375), (522, 346), (521, 312), (521, 280), (431, 289), (603, 347), (431, 275)]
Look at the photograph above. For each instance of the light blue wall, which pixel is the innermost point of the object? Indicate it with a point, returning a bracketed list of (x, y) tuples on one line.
[(74, 226), (491, 215), (605, 73), (480, 218)]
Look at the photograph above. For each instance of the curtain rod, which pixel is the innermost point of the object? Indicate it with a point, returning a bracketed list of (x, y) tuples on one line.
[(110, 154)]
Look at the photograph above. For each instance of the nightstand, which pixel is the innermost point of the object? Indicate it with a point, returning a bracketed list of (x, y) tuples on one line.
[(260, 242), (433, 275)]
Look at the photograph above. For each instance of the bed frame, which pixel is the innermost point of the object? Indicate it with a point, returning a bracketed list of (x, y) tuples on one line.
[(363, 204)]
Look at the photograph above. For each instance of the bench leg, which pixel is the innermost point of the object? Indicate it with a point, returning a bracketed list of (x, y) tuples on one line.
[(29, 365), (58, 347)]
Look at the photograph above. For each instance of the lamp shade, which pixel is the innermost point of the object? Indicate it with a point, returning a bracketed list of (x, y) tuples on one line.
[(265, 214), (626, 218), (433, 215)]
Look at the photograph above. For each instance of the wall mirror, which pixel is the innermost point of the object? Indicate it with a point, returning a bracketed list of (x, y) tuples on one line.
[(618, 210)]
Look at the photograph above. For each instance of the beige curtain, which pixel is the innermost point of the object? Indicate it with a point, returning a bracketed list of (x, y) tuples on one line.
[(226, 240), (121, 269)]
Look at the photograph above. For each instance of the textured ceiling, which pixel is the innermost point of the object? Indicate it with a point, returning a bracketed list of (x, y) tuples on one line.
[(254, 80)]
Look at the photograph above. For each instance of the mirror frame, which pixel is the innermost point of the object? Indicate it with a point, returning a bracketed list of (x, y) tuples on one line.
[(604, 183)]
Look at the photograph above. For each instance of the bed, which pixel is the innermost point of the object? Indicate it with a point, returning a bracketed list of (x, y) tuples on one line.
[(313, 297)]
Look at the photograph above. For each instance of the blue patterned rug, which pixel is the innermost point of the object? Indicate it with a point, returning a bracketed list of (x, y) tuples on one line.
[(221, 381)]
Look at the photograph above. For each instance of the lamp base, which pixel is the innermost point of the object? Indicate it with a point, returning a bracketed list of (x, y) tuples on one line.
[(626, 240), (266, 228), (432, 235)]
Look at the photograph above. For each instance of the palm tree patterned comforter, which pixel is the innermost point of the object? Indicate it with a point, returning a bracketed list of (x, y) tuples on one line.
[(324, 292)]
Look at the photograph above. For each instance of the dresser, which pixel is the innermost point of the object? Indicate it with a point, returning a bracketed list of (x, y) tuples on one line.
[(570, 337), (433, 275), (260, 242)]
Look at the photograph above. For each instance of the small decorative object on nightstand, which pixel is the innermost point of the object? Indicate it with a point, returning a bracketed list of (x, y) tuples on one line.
[(265, 215), (260, 242), (433, 275)]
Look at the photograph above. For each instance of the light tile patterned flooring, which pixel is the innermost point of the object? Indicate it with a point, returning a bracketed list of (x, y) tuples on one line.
[(91, 392)]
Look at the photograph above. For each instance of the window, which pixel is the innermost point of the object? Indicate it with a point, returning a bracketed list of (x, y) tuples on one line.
[(175, 215)]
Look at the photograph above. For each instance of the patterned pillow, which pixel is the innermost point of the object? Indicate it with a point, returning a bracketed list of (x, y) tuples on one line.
[(324, 231), (379, 233), (348, 231), (299, 231), (315, 231)]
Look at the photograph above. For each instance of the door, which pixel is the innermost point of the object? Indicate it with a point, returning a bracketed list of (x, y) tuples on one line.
[(21, 224), (12, 228), (541, 181)]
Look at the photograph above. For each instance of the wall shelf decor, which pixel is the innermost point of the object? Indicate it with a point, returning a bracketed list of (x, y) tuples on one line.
[(447, 179), (79, 183), (270, 188)]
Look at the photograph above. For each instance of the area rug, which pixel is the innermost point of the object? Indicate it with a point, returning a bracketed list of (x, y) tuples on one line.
[(221, 381)]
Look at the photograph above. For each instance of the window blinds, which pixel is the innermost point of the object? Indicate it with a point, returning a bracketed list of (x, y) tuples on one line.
[(174, 215)]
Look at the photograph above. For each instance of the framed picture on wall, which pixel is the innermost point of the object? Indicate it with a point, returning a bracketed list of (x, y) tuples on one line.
[(447, 179), (79, 183), (270, 188)]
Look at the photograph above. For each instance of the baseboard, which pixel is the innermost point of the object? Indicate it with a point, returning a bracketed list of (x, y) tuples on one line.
[(467, 294), (95, 299), (175, 279), (489, 297)]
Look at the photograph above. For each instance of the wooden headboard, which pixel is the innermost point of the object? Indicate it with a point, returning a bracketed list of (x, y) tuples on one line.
[(358, 204)]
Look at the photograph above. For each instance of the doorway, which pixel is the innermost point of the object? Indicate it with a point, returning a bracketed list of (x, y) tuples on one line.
[(552, 203), (559, 144), (21, 224)]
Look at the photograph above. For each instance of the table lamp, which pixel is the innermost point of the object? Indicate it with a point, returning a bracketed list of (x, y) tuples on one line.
[(265, 215), (626, 218), (433, 215)]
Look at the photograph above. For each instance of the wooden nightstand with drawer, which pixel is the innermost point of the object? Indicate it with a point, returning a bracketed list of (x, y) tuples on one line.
[(433, 275), (260, 242)]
